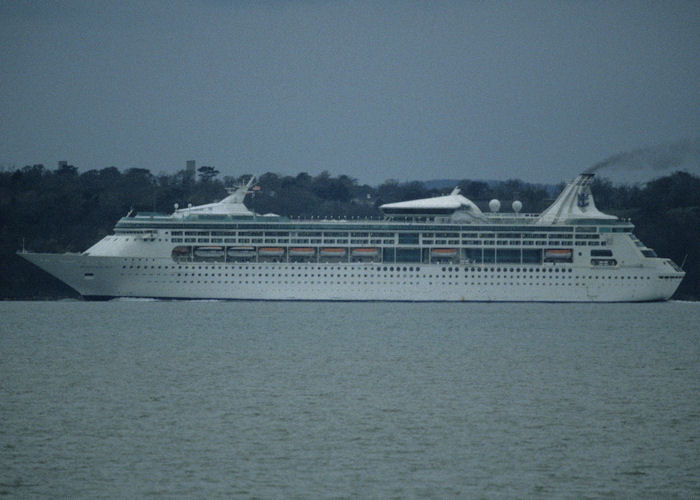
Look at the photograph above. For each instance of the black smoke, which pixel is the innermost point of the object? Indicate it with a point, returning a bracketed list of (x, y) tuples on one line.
[(672, 156)]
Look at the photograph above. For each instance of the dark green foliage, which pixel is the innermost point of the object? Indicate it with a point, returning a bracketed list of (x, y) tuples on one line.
[(63, 210), (207, 173)]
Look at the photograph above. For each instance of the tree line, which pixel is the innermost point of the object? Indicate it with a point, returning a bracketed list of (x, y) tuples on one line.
[(64, 210)]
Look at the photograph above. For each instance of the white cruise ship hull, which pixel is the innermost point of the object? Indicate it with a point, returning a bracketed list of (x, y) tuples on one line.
[(102, 277)]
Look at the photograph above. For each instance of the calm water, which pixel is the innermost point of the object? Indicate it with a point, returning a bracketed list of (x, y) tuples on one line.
[(264, 399)]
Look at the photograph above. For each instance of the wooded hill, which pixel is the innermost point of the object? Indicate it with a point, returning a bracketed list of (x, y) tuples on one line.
[(64, 210)]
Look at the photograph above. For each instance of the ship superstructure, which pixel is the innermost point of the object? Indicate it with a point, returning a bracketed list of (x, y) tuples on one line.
[(435, 249)]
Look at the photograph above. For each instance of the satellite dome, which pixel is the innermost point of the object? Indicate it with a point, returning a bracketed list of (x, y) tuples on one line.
[(517, 206), (494, 205)]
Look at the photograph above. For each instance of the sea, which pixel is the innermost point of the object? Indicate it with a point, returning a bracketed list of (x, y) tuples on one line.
[(212, 399)]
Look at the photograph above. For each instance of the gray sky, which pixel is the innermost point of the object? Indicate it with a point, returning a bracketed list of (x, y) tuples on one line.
[(409, 90)]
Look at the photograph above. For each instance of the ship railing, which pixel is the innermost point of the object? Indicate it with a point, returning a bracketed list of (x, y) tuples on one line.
[(675, 266), (511, 216), (504, 218)]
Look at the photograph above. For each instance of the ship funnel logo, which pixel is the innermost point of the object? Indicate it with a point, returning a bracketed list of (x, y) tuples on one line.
[(583, 200)]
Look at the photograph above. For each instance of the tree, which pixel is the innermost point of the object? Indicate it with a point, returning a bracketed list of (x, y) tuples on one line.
[(476, 190), (67, 170), (206, 173)]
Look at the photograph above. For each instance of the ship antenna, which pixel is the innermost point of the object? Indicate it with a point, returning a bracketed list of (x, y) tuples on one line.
[(682, 263)]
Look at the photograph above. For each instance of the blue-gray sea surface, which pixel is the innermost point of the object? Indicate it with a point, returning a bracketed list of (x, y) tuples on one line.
[(332, 400)]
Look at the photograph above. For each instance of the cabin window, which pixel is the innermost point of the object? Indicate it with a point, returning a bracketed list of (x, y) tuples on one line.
[(473, 255), (407, 255), (408, 238), (508, 256), (601, 253), (532, 256), (388, 254), (603, 262)]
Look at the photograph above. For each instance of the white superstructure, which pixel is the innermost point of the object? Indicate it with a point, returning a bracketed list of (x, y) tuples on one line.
[(435, 249)]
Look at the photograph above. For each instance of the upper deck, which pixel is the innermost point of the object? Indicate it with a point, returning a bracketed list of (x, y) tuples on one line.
[(498, 222), (573, 208)]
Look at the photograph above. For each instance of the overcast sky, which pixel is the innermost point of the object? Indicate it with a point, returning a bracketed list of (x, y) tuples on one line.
[(408, 90)]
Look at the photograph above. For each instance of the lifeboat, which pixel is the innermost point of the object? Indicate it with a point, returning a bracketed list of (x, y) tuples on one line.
[(333, 252), (182, 251), (364, 252), (445, 253), (270, 251), (209, 252), (241, 252), (558, 255), (302, 252)]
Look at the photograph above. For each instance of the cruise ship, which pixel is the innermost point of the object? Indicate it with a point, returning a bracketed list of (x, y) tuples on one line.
[(435, 249)]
